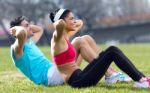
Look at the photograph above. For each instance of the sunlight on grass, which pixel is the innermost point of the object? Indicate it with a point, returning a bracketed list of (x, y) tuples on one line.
[(12, 81)]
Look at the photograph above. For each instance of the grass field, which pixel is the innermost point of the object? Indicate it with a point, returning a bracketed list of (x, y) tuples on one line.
[(12, 81)]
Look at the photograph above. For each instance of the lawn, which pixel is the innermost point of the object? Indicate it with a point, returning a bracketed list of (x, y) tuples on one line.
[(12, 81)]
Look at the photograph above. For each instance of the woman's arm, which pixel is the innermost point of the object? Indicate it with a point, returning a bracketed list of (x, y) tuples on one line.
[(59, 26), (79, 24), (21, 35), (38, 31)]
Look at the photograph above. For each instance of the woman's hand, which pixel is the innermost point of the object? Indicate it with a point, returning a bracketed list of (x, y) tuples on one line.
[(59, 28), (12, 31), (15, 31), (59, 23)]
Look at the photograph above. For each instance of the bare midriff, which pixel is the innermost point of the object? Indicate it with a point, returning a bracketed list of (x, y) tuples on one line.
[(67, 69)]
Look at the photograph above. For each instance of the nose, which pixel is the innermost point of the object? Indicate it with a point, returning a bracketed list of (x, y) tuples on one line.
[(75, 21)]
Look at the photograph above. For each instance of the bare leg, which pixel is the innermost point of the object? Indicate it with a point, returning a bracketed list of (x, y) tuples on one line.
[(79, 60), (82, 47), (92, 43), (87, 48), (110, 71)]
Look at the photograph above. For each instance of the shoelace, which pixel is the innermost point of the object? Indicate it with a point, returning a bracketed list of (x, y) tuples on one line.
[(120, 75)]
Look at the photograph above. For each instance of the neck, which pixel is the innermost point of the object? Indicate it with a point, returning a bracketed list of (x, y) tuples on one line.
[(65, 34)]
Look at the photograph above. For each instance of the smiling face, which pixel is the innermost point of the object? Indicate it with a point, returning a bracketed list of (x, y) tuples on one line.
[(70, 22), (26, 25)]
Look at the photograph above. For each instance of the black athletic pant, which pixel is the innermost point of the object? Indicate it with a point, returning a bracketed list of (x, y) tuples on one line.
[(98, 67)]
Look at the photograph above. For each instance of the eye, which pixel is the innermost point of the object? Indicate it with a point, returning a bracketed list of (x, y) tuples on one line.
[(71, 18), (27, 25)]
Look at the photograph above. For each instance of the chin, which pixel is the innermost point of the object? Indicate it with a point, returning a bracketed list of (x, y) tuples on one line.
[(72, 29)]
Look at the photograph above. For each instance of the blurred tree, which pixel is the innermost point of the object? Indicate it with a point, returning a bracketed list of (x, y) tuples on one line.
[(88, 10), (34, 10)]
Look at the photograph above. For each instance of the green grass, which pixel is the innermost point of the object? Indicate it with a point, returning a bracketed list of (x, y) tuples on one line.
[(12, 81)]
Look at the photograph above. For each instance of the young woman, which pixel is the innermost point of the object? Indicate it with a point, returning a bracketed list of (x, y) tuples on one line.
[(64, 55), (28, 58)]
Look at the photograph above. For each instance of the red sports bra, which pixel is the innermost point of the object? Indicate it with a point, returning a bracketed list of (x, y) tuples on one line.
[(67, 56)]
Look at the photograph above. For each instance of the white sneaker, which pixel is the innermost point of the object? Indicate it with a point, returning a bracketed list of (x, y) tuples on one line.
[(117, 77), (144, 84)]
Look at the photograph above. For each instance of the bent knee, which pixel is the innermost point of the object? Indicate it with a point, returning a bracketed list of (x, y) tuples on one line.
[(112, 48), (78, 41), (86, 37)]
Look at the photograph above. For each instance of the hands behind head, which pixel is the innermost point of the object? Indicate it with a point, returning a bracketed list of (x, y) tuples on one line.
[(59, 23), (14, 31)]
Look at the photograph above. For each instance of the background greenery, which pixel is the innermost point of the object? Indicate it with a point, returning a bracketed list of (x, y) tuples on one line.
[(12, 81)]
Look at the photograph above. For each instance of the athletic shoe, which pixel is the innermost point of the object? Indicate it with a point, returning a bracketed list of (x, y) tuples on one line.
[(117, 77), (144, 84)]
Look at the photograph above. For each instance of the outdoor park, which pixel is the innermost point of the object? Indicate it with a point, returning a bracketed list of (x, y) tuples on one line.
[(121, 23)]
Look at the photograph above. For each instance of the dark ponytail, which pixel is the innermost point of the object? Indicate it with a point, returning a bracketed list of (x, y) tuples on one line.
[(17, 21), (51, 16)]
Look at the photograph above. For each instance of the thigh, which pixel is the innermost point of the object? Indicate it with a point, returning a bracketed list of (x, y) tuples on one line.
[(82, 47), (76, 42), (90, 75), (79, 60), (97, 68)]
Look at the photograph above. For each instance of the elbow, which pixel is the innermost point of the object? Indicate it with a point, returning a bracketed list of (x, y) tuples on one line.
[(81, 22), (41, 29)]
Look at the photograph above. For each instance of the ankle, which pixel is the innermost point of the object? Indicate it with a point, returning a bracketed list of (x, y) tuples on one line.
[(142, 79)]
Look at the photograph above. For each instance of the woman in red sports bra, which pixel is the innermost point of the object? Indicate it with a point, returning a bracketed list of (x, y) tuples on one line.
[(64, 55)]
